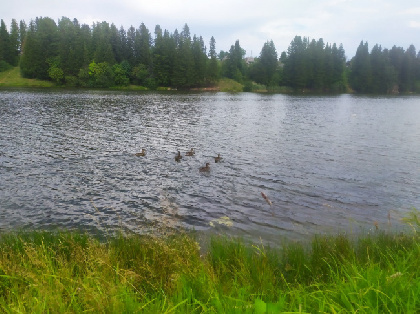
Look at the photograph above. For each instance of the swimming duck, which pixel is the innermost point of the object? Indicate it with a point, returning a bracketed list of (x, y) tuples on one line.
[(190, 153), (142, 153), (218, 158), (178, 157), (206, 168)]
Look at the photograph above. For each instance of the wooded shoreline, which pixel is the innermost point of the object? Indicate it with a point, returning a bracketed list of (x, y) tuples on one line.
[(102, 56)]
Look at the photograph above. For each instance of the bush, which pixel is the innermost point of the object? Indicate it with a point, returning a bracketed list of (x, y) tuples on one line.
[(248, 86), (151, 83), (101, 74), (71, 80), (120, 75), (83, 77), (4, 66)]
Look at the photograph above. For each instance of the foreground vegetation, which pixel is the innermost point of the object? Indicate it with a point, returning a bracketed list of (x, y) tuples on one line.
[(73, 272)]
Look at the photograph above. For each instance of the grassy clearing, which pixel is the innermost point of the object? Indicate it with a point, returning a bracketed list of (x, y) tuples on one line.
[(12, 78), (72, 272)]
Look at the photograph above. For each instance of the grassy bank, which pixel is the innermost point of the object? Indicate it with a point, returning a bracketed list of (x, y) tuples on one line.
[(229, 85), (73, 272), (12, 78)]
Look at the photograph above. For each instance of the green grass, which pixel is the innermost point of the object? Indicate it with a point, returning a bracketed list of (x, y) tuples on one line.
[(229, 85), (72, 272), (12, 78), (130, 88)]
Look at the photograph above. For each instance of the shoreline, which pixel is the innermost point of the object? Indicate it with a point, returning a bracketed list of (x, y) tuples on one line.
[(12, 79)]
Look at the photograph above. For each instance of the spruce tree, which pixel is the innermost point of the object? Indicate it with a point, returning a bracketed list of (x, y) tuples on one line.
[(269, 63), (361, 74), (183, 75), (6, 47), (198, 51), (14, 42), (40, 45), (212, 71), (22, 33)]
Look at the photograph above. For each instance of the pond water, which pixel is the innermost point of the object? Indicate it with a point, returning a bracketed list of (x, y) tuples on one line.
[(327, 163)]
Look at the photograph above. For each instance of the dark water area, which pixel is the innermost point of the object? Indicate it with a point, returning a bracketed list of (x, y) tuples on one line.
[(328, 164)]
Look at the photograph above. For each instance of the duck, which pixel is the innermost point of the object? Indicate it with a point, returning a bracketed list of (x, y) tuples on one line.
[(218, 158), (178, 157), (190, 153), (206, 168), (142, 153)]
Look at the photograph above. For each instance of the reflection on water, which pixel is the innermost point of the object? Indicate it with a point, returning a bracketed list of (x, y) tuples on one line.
[(327, 164)]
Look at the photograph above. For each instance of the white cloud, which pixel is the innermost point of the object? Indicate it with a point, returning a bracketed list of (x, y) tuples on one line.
[(252, 22), (411, 11), (414, 24)]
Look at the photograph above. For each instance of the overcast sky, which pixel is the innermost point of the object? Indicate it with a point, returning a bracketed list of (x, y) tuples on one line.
[(386, 22)]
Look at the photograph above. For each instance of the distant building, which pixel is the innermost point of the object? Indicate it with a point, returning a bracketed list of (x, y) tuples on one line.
[(249, 60)]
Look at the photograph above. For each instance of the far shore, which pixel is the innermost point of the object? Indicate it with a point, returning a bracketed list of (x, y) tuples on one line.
[(12, 79)]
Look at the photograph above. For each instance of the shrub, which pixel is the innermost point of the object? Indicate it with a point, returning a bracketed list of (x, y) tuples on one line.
[(4, 66)]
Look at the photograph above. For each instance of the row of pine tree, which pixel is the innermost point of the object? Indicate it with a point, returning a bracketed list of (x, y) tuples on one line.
[(385, 71), (101, 55)]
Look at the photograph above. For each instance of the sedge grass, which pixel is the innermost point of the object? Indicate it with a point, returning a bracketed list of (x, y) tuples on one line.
[(72, 272)]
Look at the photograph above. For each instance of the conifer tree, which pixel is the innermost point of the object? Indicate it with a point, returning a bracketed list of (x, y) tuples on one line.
[(116, 43), (361, 75), (183, 64), (14, 42), (68, 59), (234, 66), (161, 66), (22, 33), (269, 63), (101, 40), (295, 65), (212, 71), (198, 51), (142, 46), (408, 70), (130, 53), (41, 43), (6, 47)]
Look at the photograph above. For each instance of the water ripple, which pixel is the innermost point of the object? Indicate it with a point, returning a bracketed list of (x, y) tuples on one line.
[(67, 159)]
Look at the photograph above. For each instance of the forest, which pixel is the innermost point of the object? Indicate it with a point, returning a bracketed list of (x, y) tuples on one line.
[(102, 55)]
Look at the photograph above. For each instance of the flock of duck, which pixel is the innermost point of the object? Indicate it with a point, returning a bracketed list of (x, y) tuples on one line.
[(206, 168), (178, 158)]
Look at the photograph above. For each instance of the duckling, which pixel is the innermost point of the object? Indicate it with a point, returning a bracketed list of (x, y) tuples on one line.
[(206, 168), (218, 158), (178, 157), (142, 153), (190, 153)]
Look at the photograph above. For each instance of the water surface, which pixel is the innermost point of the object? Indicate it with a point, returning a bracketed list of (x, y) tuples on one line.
[(327, 164)]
